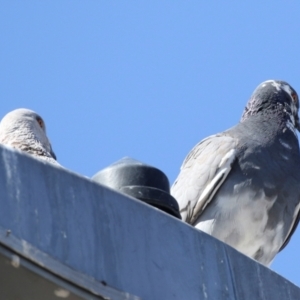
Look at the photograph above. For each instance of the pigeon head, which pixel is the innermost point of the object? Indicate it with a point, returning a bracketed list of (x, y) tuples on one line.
[(274, 96), (23, 127)]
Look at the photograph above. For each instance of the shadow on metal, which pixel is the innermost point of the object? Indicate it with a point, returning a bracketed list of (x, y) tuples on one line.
[(23, 279)]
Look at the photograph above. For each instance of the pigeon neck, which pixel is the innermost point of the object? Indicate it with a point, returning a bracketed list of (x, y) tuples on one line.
[(266, 126), (23, 135)]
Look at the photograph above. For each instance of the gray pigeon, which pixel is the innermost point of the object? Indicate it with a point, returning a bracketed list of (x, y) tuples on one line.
[(25, 130), (242, 186)]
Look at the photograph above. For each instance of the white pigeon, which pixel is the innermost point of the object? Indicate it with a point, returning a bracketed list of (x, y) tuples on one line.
[(25, 130)]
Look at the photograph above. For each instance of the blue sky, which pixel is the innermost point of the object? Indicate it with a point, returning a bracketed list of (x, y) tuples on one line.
[(144, 79)]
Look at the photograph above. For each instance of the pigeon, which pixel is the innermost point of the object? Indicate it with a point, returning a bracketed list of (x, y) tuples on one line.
[(25, 130), (242, 186)]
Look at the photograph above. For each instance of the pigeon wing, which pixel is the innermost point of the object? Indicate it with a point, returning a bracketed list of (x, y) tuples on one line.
[(202, 173)]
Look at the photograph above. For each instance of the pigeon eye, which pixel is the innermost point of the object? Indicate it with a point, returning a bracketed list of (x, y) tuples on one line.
[(295, 98), (41, 123)]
